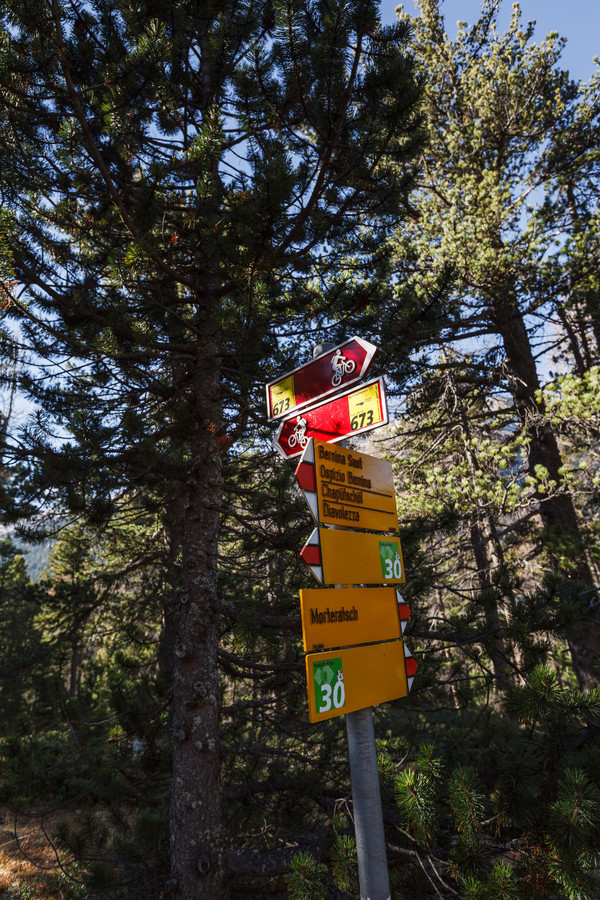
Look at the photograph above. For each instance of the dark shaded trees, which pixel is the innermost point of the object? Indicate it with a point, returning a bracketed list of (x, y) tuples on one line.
[(20, 645)]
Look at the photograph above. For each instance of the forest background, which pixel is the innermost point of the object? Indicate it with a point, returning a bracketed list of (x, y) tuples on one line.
[(193, 195)]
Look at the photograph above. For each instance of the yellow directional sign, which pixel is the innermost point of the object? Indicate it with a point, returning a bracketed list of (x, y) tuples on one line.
[(348, 488), (337, 556), (343, 617), (342, 681)]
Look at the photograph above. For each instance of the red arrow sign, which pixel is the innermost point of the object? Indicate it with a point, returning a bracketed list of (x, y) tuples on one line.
[(311, 555), (403, 611), (339, 367), (409, 660), (353, 412), (411, 667)]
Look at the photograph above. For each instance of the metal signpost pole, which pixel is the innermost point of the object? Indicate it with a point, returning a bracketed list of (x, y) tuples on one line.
[(366, 798)]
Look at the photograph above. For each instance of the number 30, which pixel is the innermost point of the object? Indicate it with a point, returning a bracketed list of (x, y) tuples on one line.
[(337, 695), (392, 569)]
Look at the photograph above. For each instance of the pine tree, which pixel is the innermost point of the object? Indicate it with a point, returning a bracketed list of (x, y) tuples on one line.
[(486, 217), (179, 176), (89, 750), (20, 646)]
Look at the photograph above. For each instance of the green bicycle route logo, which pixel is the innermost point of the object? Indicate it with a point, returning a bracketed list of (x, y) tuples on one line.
[(391, 564), (328, 677)]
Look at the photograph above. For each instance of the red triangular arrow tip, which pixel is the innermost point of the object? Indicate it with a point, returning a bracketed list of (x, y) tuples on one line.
[(311, 554), (305, 476)]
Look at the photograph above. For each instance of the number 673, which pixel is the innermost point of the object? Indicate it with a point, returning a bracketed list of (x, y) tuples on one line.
[(361, 420)]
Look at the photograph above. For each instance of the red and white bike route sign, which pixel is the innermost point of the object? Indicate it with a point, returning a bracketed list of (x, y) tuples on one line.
[(336, 368), (360, 409)]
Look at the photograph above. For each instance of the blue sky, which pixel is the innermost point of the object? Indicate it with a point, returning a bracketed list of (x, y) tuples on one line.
[(576, 20)]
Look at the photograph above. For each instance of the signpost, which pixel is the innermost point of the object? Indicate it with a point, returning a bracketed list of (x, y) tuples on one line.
[(353, 557), (344, 487), (345, 617), (352, 412), (357, 630), (338, 367)]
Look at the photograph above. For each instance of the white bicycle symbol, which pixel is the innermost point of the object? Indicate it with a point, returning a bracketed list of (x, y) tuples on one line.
[(341, 366), (299, 435)]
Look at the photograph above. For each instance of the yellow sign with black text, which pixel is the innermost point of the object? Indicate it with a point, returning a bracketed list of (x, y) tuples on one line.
[(347, 488), (343, 617)]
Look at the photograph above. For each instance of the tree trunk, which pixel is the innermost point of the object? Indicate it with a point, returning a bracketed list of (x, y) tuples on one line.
[(488, 557), (75, 667), (197, 849), (173, 521), (557, 511), (585, 305), (579, 366)]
